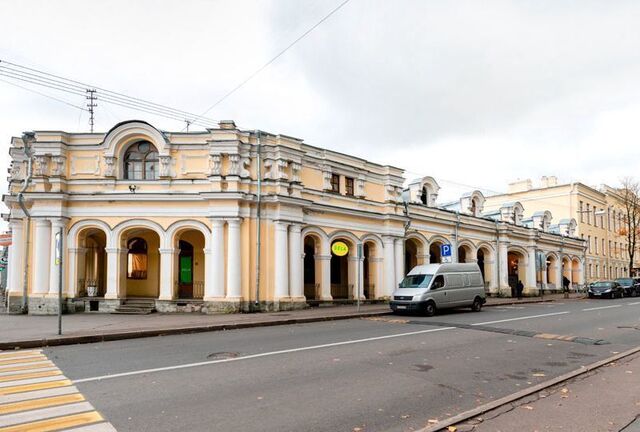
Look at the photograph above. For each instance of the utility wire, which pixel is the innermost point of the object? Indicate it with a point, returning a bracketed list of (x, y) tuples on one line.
[(55, 82), (273, 59), (43, 94)]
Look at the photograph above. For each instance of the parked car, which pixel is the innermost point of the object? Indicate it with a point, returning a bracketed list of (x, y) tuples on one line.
[(630, 286), (609, 289), (438, 286)]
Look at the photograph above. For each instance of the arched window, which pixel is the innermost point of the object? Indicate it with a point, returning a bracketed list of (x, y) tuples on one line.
[(141, 161), (137, 259), (424, 197)]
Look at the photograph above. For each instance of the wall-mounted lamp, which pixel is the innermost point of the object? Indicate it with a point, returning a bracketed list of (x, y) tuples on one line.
[(132, 188)]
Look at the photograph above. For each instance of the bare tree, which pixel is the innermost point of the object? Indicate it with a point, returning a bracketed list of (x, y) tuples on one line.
[(630, 194)]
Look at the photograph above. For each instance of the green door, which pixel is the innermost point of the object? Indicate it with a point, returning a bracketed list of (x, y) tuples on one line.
[(186, 270)]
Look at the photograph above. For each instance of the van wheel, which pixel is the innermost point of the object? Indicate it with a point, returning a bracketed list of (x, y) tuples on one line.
[(430, 309), (477, 305)]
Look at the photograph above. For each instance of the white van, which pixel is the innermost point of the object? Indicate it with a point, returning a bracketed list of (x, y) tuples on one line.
[(439, 286)]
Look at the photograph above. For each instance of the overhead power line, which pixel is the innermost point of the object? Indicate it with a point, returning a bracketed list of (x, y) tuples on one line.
[(33, 76), (274, 58), (43, 94)]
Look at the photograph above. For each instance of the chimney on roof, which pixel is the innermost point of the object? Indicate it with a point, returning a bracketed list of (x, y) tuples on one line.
[(548, 181), (520, 186), (227, 124)]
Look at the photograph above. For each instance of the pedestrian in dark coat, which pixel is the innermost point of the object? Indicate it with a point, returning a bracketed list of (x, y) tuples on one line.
[(519, 288), (565, 286)]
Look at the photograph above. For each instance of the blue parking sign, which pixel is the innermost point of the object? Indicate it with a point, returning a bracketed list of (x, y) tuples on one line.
[(445, 250)]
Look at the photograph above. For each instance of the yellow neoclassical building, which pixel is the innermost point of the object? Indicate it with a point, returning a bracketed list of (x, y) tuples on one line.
[(231, 220), (598, 213)]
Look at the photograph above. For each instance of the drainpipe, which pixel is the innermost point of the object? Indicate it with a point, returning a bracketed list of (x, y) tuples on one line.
[(27, 139), (258, 221), (456, 234), (498, 259)]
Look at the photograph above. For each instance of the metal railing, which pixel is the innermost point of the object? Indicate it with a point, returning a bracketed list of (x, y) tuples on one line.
[(196, 288)]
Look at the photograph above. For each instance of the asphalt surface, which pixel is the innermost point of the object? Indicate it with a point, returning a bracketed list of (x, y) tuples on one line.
[(379, 374)]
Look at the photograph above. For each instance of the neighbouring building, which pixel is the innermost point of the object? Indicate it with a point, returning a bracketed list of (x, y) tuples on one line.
[(175, 219), (598, 215)]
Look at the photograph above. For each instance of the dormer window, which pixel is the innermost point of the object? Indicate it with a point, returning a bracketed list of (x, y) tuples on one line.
[(348, 186), (335, 183), (424, 196), (141, 162)]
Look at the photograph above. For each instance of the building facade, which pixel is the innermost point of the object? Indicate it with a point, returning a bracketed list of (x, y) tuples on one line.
[(232, 220), (598, 213)]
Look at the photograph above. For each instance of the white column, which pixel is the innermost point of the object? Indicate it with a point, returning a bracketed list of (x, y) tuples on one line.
[(113, 272), (389, 267), (281, 270), (15, 266), (352, 269), (54, 275), (234, 261), (295, 262), (399, 258), (544, 274), (208, 281), (41, 257), (559, 274), (379, 288), (167, 266), (504, 267), (531, 283), (214, 284), (325, 277)]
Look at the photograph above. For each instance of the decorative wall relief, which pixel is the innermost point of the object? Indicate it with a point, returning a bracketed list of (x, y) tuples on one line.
[(58, 165), (214, 164)]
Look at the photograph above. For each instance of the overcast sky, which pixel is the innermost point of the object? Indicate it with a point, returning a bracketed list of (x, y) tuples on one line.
[(476, 94)]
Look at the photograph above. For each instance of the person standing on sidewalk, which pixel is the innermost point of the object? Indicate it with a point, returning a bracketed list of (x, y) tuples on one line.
[(565, 286), (519, 289)]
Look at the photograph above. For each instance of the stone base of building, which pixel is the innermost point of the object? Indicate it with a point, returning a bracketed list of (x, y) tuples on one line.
[(180, 306), (47, 306), (14, 304)]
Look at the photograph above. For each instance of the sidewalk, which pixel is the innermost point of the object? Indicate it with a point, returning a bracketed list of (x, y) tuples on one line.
[(606, 399), (29, 331)]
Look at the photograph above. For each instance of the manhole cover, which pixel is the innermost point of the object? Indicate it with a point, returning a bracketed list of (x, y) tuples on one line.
[(222, 355)]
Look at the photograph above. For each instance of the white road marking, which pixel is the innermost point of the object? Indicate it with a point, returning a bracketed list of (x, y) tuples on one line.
[(253, 356), (521, 318), (308, 348), (601, 307), (633, 304)]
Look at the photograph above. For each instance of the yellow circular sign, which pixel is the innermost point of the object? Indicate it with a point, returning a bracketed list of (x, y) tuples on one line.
[(339, 248)]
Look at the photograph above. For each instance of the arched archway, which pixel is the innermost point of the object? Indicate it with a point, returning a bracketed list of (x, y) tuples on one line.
[(576, 273), (343, 270), (140, 264), (516, 267), (189, 264), (485, 259), (553, 282), (311, 266), (91, 262), (466, 253)]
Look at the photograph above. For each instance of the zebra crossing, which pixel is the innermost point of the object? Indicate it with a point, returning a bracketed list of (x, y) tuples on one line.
[(35, 396)]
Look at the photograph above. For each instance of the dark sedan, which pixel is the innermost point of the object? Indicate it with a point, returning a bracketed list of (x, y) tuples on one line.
[(610, 289), (629, 285)]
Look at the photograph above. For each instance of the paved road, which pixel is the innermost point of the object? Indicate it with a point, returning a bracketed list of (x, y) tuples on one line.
[(384, 374)]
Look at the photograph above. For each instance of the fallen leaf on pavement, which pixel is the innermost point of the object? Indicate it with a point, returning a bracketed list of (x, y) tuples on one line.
[(529, 407), (564, 390), (538, 375), (432, 421), (629, 371), (405, 416), (452, 429)]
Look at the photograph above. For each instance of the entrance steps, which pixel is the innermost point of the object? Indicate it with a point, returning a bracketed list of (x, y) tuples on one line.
[(136, 306)]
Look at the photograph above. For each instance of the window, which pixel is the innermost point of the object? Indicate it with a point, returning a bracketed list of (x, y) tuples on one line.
[(595, 244), (595, 218), (581, 212), (137, 259), (424, 197), (438, 282), (589, 214), (610, 251), (589, 242), (348, 186), (604, 252), (141, 162), (335, 183)]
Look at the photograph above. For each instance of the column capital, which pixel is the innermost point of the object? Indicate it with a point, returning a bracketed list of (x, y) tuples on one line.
[(281, 225), (115, 250), (234, 222), (322, 257), (296, 228), (15, 224), (42, 223), (168, 251), (217, 223)]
